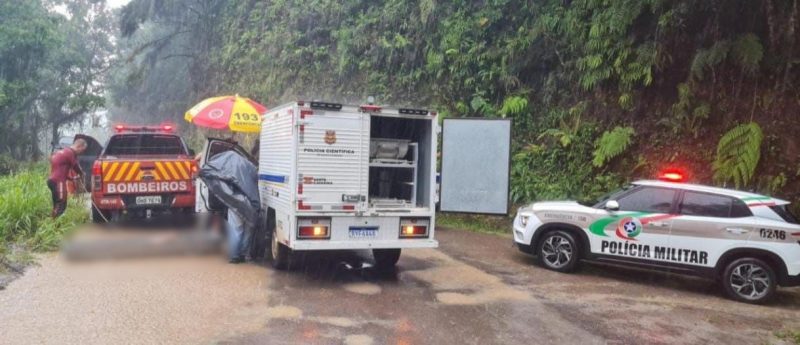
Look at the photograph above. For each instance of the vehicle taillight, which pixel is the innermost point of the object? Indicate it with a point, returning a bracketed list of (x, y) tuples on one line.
[(97, 171), (311, 232), (194, 169), (313, 228), (414, 227)]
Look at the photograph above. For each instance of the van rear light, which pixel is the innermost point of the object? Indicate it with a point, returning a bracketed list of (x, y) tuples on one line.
[(414, 227), (313, 232), (313, 228)]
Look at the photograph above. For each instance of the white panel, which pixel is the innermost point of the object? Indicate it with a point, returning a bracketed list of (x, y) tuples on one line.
[(276, 158), (475, 165), (332, 157)]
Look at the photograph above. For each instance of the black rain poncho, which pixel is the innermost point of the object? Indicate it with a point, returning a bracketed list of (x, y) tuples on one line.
[(234, 181)]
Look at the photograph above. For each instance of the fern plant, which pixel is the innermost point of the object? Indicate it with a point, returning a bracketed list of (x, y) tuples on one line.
[(738, 153), (612, 144), (514, 105)]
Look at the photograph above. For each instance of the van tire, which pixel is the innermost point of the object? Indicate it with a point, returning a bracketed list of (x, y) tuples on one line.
[(277, 252), (260, 240), (751, 274), (558, 250), (386, 258)]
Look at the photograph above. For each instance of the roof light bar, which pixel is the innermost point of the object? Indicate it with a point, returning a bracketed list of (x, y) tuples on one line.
[(326, 106), (413, 111), (672, 175)]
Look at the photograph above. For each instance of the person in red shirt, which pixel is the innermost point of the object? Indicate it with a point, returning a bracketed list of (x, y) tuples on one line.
[(61, 163)]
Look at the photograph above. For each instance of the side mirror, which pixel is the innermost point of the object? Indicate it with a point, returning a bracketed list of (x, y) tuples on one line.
[(192, 153), (612, 205)]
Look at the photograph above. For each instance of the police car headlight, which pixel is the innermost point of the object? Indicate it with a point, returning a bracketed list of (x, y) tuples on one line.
[(523, 219)]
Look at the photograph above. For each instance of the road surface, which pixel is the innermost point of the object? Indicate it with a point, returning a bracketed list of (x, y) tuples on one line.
[(475, 289)]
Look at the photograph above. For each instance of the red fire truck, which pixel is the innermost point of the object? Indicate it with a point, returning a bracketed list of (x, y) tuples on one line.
[(143, 171)]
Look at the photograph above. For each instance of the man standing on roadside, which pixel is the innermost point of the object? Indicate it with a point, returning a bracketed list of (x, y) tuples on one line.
[(61, 163)]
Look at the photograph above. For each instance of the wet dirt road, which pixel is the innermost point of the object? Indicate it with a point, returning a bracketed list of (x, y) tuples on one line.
[(475, 289)]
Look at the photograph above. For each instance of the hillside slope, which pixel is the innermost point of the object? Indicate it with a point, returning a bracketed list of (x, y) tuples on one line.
[(600, 91)]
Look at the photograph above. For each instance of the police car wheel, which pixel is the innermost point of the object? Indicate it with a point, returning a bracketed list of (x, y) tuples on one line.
[(749, 280), (558, 251)]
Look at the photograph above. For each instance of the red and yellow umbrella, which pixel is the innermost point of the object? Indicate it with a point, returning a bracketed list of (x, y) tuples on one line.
[(234, 113)]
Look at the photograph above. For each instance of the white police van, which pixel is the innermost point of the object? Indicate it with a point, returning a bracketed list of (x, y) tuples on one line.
[(335, 176), (747, 241)]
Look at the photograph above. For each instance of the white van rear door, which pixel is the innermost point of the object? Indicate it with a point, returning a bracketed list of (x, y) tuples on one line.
[(332, 161), (475, 165)]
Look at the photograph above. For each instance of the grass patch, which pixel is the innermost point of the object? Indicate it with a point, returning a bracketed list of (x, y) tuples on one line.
[(789, 336), (25, 222), (477, 223)]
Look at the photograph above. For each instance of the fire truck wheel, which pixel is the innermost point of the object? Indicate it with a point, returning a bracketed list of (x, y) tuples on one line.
[(98, 217)]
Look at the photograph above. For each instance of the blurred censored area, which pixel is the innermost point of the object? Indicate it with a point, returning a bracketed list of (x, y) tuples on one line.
[(158, 237)]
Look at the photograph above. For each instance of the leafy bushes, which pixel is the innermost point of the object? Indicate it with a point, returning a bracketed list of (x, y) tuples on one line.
[(738, 153), (551, 171), (611, 144), (25, 211)]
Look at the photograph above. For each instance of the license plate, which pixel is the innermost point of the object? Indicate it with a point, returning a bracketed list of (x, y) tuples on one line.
[(363, 231), (148, 200)]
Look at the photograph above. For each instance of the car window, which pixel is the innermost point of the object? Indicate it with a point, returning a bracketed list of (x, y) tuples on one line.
[(712, 205), (784, 212), (648, 199), (145, 144), (218, 146)]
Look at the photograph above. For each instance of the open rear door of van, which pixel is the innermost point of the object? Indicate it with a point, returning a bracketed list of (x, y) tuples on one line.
[(476, 157)]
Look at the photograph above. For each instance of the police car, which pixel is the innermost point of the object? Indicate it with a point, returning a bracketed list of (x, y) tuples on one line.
[(748, 242)]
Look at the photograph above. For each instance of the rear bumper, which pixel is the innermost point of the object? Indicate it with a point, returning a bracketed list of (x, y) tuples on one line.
[(355, 245), (120, 202)]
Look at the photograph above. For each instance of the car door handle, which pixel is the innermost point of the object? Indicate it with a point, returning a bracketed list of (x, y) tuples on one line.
[(659, 224), (737, 231)]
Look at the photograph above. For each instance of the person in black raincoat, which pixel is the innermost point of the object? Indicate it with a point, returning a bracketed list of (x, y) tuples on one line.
[(233, 180)]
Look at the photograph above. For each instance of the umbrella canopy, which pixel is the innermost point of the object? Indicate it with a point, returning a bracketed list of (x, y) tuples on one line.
[(234, 113)]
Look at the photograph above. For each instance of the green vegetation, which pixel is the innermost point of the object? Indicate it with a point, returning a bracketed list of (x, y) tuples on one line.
[(792, 336), (612, 144), (52, 57), (600, 92), (25, 220), (738, 154), (485, 224)]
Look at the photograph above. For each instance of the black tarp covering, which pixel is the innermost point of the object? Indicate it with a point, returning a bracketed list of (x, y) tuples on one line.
[(234, 181)]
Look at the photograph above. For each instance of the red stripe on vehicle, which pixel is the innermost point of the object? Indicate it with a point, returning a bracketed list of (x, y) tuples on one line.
[(646, 220), (762, 204)]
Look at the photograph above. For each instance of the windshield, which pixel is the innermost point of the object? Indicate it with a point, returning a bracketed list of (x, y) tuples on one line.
[(785, 213), (598, 202), (145, 144)]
